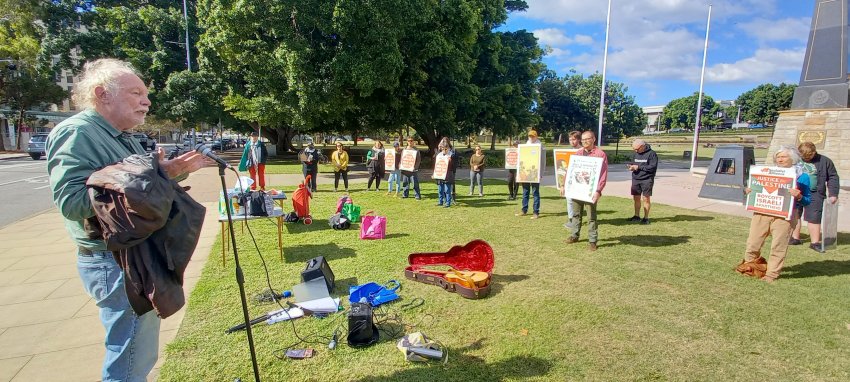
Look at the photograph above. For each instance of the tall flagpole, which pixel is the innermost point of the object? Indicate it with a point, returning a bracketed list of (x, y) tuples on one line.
[(186, 24), (604, 83), (699, 101)]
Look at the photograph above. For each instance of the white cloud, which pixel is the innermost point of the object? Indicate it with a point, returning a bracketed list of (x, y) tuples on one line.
[(766, 65), (557, 52), (665, 12), (552, 37), (582, 39), (790, 29)]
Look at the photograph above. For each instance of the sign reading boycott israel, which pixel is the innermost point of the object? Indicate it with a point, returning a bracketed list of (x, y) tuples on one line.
[(770, 193), (408, 160)]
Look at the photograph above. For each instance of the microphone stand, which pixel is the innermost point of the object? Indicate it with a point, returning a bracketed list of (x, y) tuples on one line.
[(240, 278)]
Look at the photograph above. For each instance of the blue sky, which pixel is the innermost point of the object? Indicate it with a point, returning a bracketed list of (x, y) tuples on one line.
[(656, 46)]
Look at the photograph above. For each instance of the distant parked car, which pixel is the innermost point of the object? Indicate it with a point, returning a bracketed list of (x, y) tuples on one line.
[(35, 147), (147, 143), (757, 126), (217, 145), (678, 130)]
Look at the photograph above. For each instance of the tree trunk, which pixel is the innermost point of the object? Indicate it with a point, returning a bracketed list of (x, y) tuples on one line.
[(431, 140), (354, 136), (493, 143), (2, 143), (18, 125)]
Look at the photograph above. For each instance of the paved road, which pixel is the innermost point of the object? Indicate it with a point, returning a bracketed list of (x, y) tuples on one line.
[(23, 184)]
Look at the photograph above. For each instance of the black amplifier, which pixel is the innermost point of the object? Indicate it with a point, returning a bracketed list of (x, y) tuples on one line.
[(361, 326), (318, 267)]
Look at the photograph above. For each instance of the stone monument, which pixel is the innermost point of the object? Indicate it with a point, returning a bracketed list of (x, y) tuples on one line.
[(819, 112)]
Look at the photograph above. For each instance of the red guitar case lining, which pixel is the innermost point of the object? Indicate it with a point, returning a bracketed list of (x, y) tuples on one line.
[(476, 255)]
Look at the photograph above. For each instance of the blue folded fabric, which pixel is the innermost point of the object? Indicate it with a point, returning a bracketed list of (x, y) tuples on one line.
[(373, 293)]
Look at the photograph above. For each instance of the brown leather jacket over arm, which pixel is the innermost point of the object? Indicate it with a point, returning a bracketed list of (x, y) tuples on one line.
[(152, 226)]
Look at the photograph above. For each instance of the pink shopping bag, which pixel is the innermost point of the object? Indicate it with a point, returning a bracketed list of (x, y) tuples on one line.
[(372, 226)]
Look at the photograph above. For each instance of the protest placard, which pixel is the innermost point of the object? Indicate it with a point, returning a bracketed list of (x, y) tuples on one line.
[(582, 177), (408, 160), (771, 190)]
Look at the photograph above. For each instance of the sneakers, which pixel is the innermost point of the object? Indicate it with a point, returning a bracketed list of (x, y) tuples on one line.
[(480, 194), (535, 216), (520, 214), (448, 205), (439, 204), (768, 280), (793, 241), (469, 194), (816, 247), (336, 190), (592, 247), (633, 218), (571, 240), (644, 221)]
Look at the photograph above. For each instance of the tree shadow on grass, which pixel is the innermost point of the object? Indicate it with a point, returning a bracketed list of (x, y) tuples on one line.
[(300, 227), (498, 282), (816, 269), (302, 253), (649, 240), (341, 286)]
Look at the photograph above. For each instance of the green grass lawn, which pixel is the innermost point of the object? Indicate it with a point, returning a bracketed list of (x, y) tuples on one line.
[(657, 302)]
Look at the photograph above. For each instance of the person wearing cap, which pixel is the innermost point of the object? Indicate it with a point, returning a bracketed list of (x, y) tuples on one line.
[(394, 177), (339, 158), (643, 177), (533, 188), (310, 164), (589, 148), (254, 158)]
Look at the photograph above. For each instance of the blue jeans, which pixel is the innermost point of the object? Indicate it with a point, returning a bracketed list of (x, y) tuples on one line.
[(406, 179), (445, 191), (475, 178), (394, 178), (132, 342), (529, 188)]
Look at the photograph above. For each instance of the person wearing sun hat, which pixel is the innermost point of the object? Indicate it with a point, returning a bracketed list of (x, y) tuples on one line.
[(533, 188)]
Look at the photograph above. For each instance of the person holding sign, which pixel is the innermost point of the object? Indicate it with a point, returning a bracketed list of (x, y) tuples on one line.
[(763, 225), (532, 188), (511, 160), (392, 158), (823, 177), (444, 165), (589, 149), (409, 166), (643, 177), (375, 165)]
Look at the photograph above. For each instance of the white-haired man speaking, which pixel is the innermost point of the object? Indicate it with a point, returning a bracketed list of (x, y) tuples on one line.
[(115, 100)]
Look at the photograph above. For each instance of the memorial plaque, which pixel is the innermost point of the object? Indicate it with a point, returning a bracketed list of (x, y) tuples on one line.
[(727, 174)]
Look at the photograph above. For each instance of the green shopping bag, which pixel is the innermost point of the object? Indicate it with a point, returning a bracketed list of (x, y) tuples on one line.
[(352, 212)]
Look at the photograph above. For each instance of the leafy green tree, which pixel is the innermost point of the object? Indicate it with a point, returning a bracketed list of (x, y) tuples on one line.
[(681, 112), (24, 83), (572, 103), (763, 103)]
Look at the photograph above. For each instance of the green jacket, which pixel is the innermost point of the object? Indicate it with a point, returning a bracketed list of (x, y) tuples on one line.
[(76, 148)]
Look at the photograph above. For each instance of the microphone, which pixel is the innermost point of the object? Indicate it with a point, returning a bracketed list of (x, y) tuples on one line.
[(205, 151)]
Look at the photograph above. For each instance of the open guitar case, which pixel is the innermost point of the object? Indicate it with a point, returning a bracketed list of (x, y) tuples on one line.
[(477, 255)]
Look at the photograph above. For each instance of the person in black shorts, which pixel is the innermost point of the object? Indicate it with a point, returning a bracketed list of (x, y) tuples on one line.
[(824, 181), (643, 176)]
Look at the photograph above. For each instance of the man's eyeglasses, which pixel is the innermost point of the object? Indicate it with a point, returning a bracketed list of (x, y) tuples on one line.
[(587, 139)]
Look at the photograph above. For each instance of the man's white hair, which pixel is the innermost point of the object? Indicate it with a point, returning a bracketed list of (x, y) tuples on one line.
[(638, 143), (102, 72)]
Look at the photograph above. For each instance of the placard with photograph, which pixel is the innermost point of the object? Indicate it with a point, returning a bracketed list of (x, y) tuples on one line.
[(441, 167), (389, 160), (771, 190), (829, 226), (582, 177), (511, 158), (408, 160), (561, 158), (528, 169)]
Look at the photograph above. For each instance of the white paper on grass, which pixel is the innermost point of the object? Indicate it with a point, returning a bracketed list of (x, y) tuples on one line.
[(322, 305), (284, 315), (310, 290)]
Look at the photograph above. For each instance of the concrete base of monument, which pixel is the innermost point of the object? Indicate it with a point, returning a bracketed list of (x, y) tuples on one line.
[(828, 129)]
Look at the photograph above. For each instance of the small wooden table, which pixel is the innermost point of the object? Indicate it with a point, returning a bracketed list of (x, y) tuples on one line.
[(225, 230)]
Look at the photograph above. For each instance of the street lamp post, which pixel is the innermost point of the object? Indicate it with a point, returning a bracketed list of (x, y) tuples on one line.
[(699, 100)]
